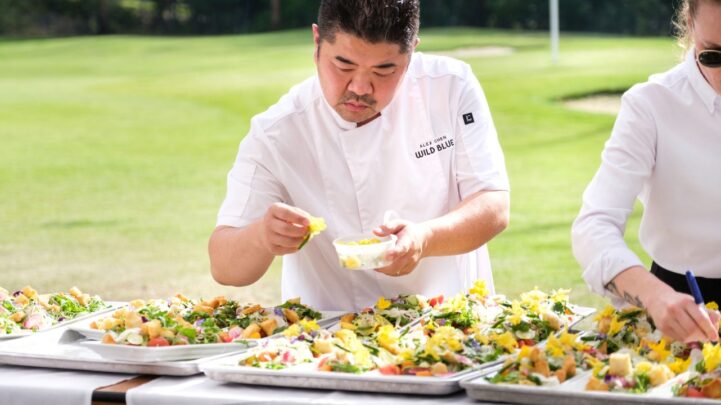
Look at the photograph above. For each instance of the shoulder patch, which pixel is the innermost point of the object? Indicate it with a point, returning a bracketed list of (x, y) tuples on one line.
[(468, 118)]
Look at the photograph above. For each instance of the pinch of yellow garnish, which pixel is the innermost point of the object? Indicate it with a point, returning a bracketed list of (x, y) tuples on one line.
[(479, 289), (712, 306), (383, 303), (505, 340), (616, 326), (659, 352), (445, 339), (560, 295), (516, 313), (679, 365), (525, 352), (554, 347), (606, 313), (308, 325), (711, 356), (316, 226), (292, 331)]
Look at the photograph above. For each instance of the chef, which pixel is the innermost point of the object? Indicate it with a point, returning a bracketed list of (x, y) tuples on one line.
[(379, 128), (665, 150)]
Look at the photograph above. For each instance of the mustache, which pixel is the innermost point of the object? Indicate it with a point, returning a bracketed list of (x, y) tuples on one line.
[(350, 96)]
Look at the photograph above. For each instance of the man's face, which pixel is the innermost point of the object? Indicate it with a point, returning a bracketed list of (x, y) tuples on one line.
[(359, 78), (707, 35)]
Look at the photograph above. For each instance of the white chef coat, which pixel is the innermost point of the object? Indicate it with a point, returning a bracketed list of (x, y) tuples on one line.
[(420, 158), (665, 150)]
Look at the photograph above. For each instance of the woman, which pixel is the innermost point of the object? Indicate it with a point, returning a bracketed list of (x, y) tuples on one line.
[(665, 150)]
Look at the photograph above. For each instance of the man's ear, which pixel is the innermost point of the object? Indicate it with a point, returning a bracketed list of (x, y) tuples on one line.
[(416, 43), (316, 40)]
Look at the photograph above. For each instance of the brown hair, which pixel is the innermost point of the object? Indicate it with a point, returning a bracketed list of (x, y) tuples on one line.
[(394, 21), (687, 8)]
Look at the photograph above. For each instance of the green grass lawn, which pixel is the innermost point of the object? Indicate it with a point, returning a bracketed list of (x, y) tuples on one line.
[(114, 151)]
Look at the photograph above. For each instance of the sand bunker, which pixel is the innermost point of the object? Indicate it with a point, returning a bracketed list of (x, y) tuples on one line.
[(600, 104)]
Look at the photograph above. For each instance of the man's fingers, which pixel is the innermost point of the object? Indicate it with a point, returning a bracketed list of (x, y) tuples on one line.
[(286, 241), (390, 227), (401, 249), (290, 230), (397, 268), (290, 214), (279, 251)]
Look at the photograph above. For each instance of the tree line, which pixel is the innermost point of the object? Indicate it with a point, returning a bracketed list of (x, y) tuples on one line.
[(205, 17)]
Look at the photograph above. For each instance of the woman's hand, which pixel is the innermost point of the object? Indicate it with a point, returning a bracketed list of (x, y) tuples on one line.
[(678, 316), (675, 314)]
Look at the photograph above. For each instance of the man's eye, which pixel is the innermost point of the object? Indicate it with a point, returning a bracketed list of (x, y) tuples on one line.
[(346, 70)]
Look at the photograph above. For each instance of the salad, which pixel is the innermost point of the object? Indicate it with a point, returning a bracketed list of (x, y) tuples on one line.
[(625, 372), (27, 311), (398, 312), (181, 321), (413, 336), (548, 366), (705, 378)]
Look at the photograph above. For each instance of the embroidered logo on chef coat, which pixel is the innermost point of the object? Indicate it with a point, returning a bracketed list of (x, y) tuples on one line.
[(434, 145), (468, 118)]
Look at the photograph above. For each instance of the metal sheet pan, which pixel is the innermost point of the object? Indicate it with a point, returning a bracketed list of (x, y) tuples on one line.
[(305, 376), (56, 349), (571, 392), (144, 354)]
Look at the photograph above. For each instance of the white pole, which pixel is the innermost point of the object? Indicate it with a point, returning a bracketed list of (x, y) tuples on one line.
[(554, 31)]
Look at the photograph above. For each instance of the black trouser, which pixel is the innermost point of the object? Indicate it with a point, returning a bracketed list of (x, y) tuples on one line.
[(710, 287)]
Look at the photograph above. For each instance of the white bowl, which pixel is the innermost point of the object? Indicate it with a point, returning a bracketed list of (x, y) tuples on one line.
[(363, 257)]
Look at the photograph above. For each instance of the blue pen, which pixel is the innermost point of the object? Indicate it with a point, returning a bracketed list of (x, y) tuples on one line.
[(693, 286), (695, 291)]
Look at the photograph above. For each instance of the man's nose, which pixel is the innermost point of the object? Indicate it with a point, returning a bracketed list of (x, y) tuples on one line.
[(360, 84)]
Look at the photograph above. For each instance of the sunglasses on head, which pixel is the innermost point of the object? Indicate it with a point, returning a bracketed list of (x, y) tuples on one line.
[(710, 58)]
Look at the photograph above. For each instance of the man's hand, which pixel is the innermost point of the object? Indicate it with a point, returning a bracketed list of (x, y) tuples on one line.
[(678, 316), (412, 240), (283, 229)]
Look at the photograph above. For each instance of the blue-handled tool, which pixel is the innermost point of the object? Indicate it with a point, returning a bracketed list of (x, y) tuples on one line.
[(693, 286)]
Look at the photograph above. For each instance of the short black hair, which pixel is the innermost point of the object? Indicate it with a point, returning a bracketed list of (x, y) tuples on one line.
[(394, 21)]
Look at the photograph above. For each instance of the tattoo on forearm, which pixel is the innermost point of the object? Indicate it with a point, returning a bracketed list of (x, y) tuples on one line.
[(631, 299), (613, 288)]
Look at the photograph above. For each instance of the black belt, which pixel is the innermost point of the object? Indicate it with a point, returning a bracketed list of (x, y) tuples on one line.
[(710, 287)]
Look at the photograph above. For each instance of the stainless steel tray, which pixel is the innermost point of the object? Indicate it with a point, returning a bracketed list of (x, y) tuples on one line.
[(305, 376), (570, 392), (62, 347), (58, 349)]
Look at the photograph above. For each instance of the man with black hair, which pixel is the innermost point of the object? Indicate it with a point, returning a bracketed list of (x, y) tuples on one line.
[(379, 128)]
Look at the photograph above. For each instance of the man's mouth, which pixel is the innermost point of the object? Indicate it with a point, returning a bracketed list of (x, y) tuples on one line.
[(355, 107)]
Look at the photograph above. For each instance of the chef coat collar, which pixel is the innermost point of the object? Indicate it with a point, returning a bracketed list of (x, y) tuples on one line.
[(703, 88)]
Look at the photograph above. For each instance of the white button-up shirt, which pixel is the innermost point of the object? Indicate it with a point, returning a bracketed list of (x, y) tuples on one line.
[(665, 150), (432, 146)]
